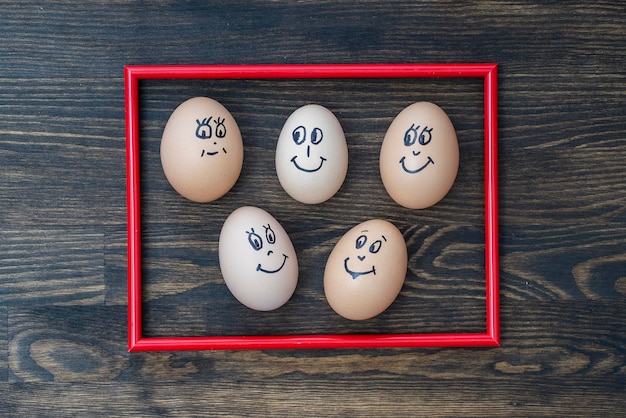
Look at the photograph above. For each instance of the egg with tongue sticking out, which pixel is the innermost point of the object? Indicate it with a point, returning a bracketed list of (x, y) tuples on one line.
[(366, 270)]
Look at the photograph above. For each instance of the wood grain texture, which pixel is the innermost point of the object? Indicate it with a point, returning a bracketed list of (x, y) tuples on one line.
[(562, 147)]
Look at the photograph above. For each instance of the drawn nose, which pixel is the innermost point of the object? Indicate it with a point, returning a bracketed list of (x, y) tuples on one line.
[(361, 257), (270, 252), (416, 153), (308, 151)]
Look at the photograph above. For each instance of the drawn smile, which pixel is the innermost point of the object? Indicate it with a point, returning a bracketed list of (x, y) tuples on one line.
[(356, 274), (259, 268), (293, 160), (429, 161)]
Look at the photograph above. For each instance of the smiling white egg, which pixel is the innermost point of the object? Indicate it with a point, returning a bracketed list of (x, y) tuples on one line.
[(257, 259), (311, 155)]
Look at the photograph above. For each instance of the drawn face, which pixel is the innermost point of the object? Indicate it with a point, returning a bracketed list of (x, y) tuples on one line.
[(366, 269), (311, 154), (309, 164), (213, 131), (257, 259), (263, 243), (416, 140), (361, 262), (194, 148), (419, 156)]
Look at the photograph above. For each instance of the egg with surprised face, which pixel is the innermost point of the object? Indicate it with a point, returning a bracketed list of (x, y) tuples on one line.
[(419, 157), (311, 155), (257, 259), (201, 150), (366, 270)]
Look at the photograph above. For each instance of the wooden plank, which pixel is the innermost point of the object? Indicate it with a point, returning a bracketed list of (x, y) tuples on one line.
[(43, 267), (562, 199), (4, 343), (383, 397), (551, 340)]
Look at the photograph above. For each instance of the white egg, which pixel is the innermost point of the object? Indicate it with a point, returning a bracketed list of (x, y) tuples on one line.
[(257, 259), (311, 155)]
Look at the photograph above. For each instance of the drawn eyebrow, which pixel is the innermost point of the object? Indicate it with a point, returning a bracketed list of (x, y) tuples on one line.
[(384, 238), (365, 230)]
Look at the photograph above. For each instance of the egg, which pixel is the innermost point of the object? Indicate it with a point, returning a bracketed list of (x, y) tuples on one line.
[(257, 259), (365, 270), (201, 150), (311, 155), (419, 156)]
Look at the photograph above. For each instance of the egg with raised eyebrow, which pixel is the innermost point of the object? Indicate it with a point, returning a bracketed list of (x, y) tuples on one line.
[(419, 156), (365, 270), (257, 259), (311, 155)]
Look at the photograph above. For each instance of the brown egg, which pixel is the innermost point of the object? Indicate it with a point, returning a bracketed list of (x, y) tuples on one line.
[(201, 150), (419, 157), (366, 270)]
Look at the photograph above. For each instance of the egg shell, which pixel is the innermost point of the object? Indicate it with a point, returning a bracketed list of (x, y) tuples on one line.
[(366, 270), (201, 150), (419, 156), (257, 259), (311, 155)]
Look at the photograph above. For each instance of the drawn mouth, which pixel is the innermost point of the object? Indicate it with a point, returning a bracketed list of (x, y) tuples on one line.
[(293, 160), (429, 161), (212, 153), (259, 268), (356, 274)]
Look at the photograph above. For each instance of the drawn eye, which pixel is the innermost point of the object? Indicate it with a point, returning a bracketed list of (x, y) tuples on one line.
[(269, 234), (375, 247), (220, 129), (316, 136), (299, 135), (425, 136), (360, 241), (204, 130), (411, 135), (255, 240)]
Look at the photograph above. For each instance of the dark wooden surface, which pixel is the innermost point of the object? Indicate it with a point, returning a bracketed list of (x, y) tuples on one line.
[(562, 166)]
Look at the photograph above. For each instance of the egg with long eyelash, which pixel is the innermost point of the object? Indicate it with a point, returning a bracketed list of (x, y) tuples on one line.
[(365, 270), (201, 150), (257, 259), (419, 156)]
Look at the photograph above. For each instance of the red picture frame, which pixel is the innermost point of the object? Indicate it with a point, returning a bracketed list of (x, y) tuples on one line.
[(133, 74)]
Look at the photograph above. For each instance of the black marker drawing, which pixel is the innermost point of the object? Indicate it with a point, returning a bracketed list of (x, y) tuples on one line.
[(410, 137), (254, 239), (205, 131), (261, 269), (220, 129), (256, 242), (299, 137), (373, 249)]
